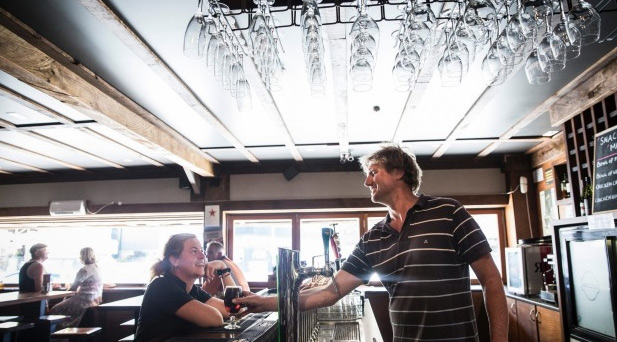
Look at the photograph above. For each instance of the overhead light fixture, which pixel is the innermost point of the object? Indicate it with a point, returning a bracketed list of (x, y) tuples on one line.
[(549, 133), (16, 115)]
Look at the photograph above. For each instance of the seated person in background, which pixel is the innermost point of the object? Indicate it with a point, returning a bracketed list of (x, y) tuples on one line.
[(173, 304), (31, 273), (89, 287), (215, 251)]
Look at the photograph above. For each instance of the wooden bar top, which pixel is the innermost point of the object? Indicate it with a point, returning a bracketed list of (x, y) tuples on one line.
[(14, 298)]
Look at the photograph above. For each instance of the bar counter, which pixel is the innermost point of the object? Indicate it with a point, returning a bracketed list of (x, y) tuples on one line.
[(370, 330)]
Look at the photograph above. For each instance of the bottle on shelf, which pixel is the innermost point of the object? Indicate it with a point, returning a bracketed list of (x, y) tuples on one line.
[(565, 186), (586, 194)]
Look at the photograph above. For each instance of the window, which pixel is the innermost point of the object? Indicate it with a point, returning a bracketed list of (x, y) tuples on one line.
[(311, 242), (491, 223), (124, 253), (255, 245), (254, 239)]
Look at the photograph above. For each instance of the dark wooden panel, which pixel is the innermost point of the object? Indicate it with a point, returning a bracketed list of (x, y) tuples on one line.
[(579, 134)]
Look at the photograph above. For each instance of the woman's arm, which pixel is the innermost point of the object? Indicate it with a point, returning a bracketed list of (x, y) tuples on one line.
[(78, 279), (203, 314)]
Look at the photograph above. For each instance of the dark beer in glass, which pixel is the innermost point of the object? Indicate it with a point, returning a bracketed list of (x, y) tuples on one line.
[(232, 292)]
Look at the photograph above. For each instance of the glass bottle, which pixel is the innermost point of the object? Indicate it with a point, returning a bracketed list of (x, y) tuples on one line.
[(586, 192), (565, 186)]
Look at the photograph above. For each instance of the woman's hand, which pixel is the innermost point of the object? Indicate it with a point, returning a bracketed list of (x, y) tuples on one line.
[(211, 268)]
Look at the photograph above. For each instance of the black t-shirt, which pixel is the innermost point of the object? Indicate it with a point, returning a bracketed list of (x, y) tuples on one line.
[(163, 297), (26, 284)]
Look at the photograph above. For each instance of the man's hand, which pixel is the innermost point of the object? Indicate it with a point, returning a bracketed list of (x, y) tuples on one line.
[(256, 303), (211, 268)]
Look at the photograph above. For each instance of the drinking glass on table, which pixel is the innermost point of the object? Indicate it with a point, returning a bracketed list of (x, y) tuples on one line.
[(232, 292)]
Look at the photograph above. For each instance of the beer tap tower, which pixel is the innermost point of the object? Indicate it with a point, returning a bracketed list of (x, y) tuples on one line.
[(288, 278)]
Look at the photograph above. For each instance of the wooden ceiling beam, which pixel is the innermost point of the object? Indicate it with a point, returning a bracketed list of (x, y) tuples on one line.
[(588, 91), (106, 16), (30, 58)]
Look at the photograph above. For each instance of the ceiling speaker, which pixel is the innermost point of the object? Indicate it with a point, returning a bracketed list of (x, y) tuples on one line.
[(290, 173)]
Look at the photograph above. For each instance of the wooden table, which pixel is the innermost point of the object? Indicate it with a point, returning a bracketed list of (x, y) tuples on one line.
[(32, 304), (111, 315)]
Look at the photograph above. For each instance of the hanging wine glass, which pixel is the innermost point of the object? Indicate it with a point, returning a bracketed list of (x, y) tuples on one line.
[(193, 32), (493, 71), (540, 10), (569, 34), (586, 20), (534, 71), (551, 51), (451, 66), (481, 17)]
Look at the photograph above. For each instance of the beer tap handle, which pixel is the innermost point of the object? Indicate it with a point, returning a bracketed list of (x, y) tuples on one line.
[(326, 233)]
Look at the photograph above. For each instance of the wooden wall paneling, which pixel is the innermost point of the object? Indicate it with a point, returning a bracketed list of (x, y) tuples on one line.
[(579, 136), (611, 110)]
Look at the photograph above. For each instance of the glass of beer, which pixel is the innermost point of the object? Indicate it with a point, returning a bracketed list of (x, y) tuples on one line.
[(232, 292)]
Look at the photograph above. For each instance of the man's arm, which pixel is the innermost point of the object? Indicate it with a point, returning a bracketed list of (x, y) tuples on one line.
[(237, 274), (316, 297), (494, 297)]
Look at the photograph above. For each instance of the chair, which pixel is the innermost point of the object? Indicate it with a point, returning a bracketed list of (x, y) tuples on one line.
[(9, 330), (77, 334)]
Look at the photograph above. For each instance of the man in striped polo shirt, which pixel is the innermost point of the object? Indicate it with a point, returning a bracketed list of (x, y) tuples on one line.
[(421, 251)]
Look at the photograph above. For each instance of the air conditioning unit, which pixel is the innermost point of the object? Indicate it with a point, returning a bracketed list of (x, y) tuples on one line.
[(67, 208)]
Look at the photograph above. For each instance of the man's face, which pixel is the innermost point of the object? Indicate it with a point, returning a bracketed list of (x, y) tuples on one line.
[(381, 182), (42, 254), (211, 254)]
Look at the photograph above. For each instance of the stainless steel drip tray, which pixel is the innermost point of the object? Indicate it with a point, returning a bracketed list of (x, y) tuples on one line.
[(344, 331)]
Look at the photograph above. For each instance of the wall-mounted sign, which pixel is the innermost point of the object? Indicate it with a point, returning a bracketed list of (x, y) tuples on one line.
[(605, 171), (212, 223)]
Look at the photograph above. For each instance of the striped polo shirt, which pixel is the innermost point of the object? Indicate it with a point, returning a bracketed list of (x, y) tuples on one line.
[(425, 269)]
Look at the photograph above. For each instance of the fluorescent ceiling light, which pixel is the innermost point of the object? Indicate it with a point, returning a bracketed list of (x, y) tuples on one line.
[(550, 133), (16, 115)]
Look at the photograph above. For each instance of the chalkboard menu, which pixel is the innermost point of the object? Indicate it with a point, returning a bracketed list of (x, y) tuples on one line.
[(605, 171)]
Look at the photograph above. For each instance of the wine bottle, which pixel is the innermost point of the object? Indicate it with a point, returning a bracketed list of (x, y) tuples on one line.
[(565, 186), (586, 193)]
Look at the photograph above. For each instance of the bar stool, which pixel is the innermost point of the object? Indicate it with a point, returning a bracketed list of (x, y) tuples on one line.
[(9, 330), (46, 325), (9, 318), (77, 334)]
